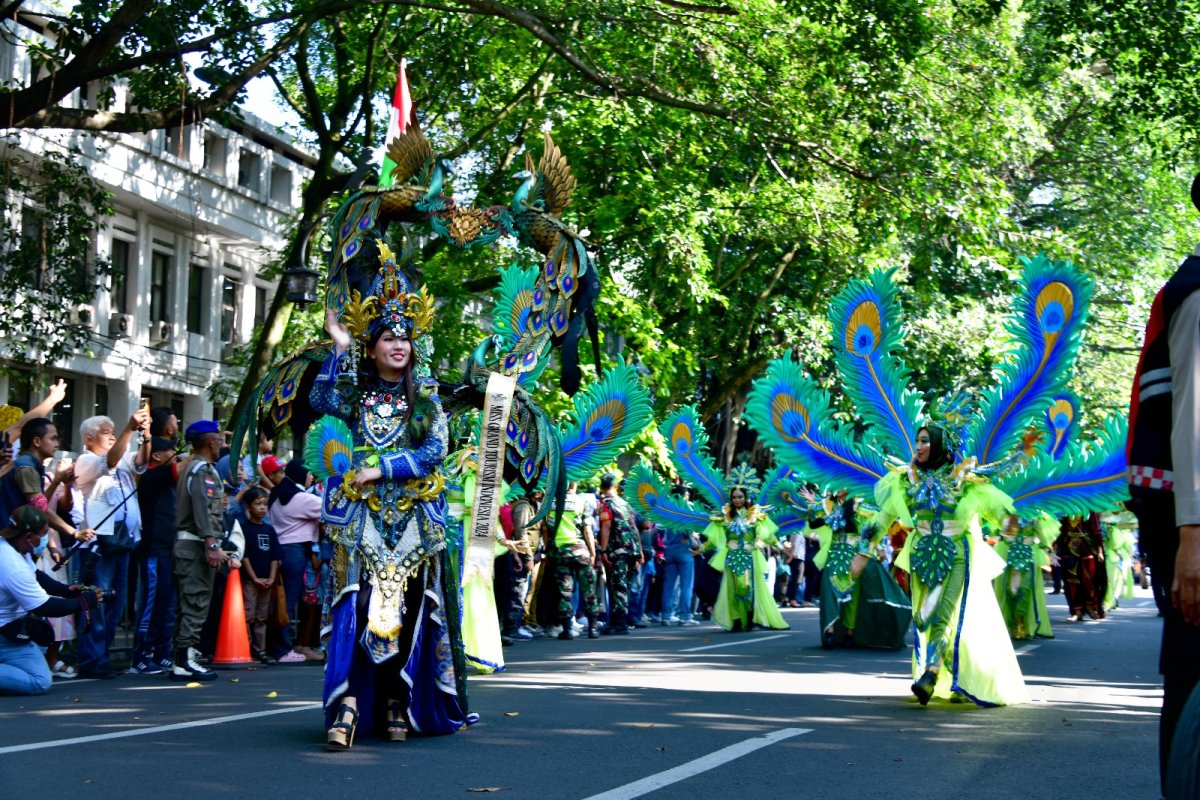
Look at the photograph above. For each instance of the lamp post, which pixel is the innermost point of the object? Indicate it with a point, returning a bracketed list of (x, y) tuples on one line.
[(300, 280)]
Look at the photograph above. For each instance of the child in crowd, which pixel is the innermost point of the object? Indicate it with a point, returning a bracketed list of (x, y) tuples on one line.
[(260, 568)]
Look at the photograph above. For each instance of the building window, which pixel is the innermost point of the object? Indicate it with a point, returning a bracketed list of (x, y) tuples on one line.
[(281, 184), (230, 292), (214, 154), (20, 389), (160, 287), (262, 304), (195, 302), (178, 141), (63, 415), (33, 244), (119, 287), (249, 170), (100, 406)]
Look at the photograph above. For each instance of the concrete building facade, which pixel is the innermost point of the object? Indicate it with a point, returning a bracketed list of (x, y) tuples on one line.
[(199, 212)]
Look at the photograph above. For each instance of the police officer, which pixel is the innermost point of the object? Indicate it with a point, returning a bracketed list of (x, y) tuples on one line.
[(621, 551), (198, 554)]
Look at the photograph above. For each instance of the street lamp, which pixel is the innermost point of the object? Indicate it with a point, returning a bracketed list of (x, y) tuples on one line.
[(300, 283), (300, 280)]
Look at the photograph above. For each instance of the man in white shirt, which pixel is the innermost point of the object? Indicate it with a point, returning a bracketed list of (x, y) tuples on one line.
[(25, 590), (105, 475)]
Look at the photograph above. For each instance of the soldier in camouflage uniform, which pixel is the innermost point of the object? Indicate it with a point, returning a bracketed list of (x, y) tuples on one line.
[(574, 554), (621, 550)]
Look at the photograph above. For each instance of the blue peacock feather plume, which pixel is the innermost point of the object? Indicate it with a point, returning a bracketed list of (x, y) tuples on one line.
[(329, 448), (651, 499), (1062, 419), (527, 352), (867, 326), (789, 411), (689, 453), (1086, 478), (606, 417), (1047, 327)]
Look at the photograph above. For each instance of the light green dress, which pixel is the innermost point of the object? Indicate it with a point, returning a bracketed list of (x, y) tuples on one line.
[(1020, 589), (960, 632), (740, 539)]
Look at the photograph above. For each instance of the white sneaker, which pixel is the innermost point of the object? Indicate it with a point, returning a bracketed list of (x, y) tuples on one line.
[(670, 621), (688, 622), (577, 626), (553, 630), (524, 633)]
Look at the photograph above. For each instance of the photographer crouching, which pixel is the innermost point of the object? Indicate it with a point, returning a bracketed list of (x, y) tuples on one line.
[(26, 597)]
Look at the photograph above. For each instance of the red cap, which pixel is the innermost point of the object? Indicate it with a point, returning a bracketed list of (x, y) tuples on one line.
[(271, 464)]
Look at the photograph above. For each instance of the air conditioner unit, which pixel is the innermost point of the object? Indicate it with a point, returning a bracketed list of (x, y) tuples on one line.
[(120, 326), (83, 315), (160, 332)]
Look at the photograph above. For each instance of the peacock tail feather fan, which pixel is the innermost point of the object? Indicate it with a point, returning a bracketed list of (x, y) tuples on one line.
[(649, 497), (868, 330), (1047, 327), (514, 297), (1062, 417), (606, 417), (524, 347), (1087, 477), (789, 410), (689, 453), (329, 448)]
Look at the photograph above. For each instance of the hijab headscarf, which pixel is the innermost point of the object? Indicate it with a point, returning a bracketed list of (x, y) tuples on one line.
[(294, 480), (939, 456)]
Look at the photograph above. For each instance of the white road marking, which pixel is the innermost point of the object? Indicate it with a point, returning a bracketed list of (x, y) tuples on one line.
[(179, 726), (703, 764), (734, 644), (1027, 648)]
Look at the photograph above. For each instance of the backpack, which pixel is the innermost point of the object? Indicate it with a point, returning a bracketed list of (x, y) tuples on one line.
[(506, 520)]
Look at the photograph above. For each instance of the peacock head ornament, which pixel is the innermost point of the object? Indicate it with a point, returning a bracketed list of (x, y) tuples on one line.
[(393, 306)]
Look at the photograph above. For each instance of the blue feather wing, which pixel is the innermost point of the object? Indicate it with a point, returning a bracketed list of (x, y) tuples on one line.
[(867, 334), (604, 420), (651, 499), (688, 442), (1086, 478), (788, 410), (525, 350), (1047, 327)]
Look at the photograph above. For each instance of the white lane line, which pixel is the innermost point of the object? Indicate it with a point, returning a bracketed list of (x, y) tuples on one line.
[(179, 726), (703, 764), (734, 644), (1027, 648)]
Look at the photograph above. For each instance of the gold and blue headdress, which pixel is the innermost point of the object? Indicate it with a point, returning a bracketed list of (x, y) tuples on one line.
[(393, 305), (743, 477)]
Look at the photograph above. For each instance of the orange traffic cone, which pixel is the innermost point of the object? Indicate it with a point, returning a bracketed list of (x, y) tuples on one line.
[(233, 637)]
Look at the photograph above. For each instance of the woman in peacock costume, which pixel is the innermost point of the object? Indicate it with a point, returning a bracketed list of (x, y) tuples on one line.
[(739, 531), (396, 659), (941, 491), (1118, 550), (1066, 477), (604, 419), (861, 603)]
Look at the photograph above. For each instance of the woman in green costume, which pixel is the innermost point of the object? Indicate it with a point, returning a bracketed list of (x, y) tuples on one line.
[(740, 535), (1118, 549), (861, 603), (1025, 547), (962, 650)]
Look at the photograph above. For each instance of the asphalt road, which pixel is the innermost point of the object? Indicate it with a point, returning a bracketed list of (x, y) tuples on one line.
[(669, 713)]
